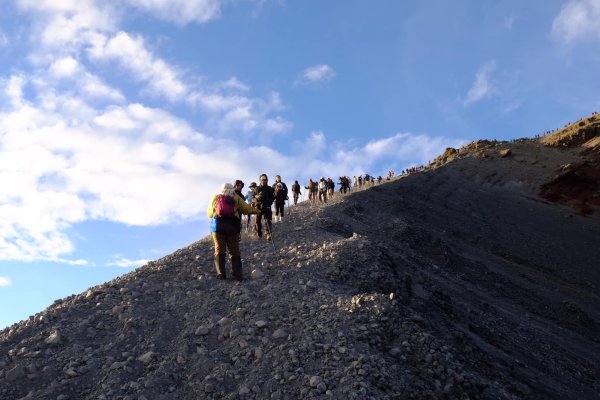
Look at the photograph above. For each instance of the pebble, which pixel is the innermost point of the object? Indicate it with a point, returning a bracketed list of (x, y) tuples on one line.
[(315, 381), (244, 390), (54, 338), (280, 333), (261, 323), (257, 274), (146, 357), (202, 330)]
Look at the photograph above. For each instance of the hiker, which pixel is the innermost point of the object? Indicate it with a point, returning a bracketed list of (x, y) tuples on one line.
[(237, 188), (312, 188), (238, 185), (322, 190), (296, 191), (285, 188), (263, 200), (330, 187), (280, 198), (344, 184), (315, 190), (225, 210), (249, 199)]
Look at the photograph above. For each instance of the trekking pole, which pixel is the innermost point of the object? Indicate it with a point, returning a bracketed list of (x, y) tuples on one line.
[(270, 233)]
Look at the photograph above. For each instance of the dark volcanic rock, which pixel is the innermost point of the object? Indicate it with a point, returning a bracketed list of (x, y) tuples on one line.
[(455, 283)]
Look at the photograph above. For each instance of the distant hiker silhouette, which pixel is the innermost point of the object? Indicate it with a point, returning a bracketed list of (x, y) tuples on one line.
[(296, 191), (263, 200), (280, 198), (249, 199)]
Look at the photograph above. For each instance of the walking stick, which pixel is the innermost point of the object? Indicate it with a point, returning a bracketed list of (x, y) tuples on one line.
[(270, 233)]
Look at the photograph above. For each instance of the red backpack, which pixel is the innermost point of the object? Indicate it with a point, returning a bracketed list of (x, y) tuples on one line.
[(225, 206)]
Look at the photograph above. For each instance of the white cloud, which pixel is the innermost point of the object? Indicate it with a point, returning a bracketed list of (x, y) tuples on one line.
[(318, 157), (317, 73), (414, 149), (66, 157), (122, 262), (239, 114), (512, 106), (131, 53), (3, 40), (577, 20), (482, 87), (86, 41), (226, 113), (13, 89), (93, 87), (67, 23), (181, 12), (136, 165), (65, 165), (234, 83), (64, 67), (4, 281), (315, 143)]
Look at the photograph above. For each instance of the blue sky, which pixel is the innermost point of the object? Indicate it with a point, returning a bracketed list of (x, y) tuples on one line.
[(119, 121)]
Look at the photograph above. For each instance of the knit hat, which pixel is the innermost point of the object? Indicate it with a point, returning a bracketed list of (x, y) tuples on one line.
[(227, 189), (263, 176)]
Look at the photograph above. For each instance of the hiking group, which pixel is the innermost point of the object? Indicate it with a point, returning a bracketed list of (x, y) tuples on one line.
[(227, 208)]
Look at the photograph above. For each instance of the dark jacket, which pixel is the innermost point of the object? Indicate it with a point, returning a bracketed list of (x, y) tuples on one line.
[(296, 188), (285, 189), (265, 195), (280, 196)]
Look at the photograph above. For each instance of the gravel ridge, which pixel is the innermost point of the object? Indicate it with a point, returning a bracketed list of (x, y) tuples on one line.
[(435, 285)]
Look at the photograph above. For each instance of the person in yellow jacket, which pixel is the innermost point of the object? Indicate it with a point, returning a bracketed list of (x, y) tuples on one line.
[(226, 213)]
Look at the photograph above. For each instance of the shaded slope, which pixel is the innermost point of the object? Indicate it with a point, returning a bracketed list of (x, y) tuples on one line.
[(507, 275)]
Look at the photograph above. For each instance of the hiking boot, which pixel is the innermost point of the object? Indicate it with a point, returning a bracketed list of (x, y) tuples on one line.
[(236, 268), (220, 266), (268, 236)]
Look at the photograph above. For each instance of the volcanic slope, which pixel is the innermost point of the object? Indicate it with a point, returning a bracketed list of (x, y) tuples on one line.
[(459, 282)]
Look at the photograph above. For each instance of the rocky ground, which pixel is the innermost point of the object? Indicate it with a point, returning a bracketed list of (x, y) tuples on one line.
[(460, 282)]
